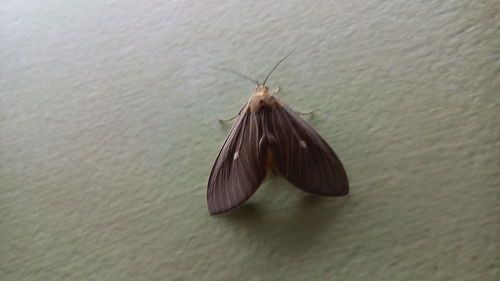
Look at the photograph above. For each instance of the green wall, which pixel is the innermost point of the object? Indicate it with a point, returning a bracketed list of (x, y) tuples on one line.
[(108, 130)]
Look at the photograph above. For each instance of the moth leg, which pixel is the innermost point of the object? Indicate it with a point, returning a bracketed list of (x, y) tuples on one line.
[(277, 90), (230, 119), (304, 113)]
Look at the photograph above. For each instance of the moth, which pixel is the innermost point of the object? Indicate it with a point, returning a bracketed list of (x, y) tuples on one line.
[(270, 136)]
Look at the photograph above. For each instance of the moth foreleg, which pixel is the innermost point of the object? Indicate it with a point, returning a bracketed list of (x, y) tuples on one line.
[(304, 113), (230, 119)]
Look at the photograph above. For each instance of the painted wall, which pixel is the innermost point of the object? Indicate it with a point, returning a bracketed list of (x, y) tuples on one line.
[(108, 130)]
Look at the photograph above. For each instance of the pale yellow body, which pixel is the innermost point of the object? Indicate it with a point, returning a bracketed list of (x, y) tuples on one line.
[(263, 99)]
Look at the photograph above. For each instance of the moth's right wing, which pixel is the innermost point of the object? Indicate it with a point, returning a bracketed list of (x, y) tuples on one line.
[(240, 166), (302, 156)]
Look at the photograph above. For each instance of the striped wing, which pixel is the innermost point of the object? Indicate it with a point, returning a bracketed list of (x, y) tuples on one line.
[(240, 166), (302, 156)]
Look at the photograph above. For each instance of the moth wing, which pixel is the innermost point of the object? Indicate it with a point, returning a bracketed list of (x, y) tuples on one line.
[(302, 156), (240, 166)]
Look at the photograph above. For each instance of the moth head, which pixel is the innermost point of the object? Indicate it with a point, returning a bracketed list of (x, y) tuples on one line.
[(261, 89)]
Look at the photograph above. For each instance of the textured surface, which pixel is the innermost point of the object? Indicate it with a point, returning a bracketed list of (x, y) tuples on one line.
[(108, 130)]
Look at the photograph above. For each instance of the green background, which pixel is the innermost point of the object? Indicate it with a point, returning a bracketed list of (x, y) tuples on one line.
[(108, 130)]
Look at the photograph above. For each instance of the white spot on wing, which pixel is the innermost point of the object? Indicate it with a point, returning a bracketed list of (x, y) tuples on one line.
[(236, 155), (302, 144)]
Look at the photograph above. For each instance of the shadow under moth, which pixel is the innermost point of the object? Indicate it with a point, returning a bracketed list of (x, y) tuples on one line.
[(270, 136)]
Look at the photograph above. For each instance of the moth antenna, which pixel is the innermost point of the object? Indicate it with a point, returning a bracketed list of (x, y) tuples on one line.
[(237, 73), (276, 66)]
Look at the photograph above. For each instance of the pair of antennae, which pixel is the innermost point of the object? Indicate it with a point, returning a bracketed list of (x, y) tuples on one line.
[(255, 80)]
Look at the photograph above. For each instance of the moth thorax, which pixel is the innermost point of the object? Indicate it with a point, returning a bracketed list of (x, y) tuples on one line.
[(261, 102)]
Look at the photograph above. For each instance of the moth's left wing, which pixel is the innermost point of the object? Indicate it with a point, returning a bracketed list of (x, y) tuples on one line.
[(240, 166), (302, 156)]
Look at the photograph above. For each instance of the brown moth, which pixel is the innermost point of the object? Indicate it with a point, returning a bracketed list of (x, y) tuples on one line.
[(270, 136)]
